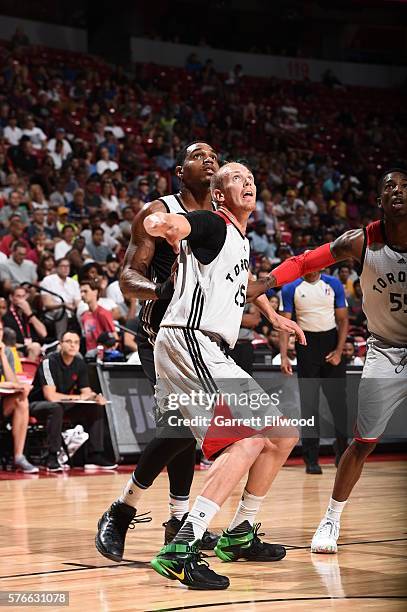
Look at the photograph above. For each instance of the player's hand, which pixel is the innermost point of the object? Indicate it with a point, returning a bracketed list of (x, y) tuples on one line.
[(334, 358), (281, 323), (158, 224), (286, 366)]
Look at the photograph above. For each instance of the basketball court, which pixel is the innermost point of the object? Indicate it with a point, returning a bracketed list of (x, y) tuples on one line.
[(48, 526)]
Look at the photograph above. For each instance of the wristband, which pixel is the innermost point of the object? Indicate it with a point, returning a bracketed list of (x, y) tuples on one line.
[(165, 290), (30, 316)]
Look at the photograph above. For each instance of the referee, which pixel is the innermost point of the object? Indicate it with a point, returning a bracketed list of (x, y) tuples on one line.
[(319, 305)]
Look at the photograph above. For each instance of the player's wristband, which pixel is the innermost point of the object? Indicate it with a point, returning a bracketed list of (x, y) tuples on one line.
[(165, 290), (295, 267)]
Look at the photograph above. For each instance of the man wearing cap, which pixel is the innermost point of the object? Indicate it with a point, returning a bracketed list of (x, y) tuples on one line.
[(112, 268), (60, 137)]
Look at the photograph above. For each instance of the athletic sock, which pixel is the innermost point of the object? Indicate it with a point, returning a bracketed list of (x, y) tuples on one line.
[(334, 510), (246, 511), (132, 493), (179, 505), (198, 519)]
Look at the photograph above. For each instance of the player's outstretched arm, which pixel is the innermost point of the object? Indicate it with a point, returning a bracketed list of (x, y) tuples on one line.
[(172, 227), (350, 244), (134, 282)]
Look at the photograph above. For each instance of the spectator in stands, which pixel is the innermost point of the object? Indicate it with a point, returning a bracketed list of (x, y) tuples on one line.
[(40, 242), (38, 200), (46, 266), (344, 277), (59, 387), (96, 319), (291, 354), (37, 225), (143, 189), (60, 197), (97, 250), (105, 163), (349, 354), (13, 207), (93, 201), (65, 149), (112, 268), (30, 331), (17, 269), (15, 405), (77, 206), (22, 157), (355, 305), (62, 247), (35, 134), (68, 291), (160, 189), (126, 223), (12, 133), (109, 200), (260, 242)]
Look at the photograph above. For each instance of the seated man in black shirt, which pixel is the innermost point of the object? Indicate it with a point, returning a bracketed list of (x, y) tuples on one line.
[(61, 380), (30, 331)]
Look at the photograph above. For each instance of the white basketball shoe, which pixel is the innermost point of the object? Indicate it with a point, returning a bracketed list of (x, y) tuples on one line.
[(325, 538)]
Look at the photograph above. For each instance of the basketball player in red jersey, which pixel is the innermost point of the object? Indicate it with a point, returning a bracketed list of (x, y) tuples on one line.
[(381, 249)]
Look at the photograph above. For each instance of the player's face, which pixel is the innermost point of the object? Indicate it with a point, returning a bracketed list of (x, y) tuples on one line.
[(200, 164), (238, 188), (393, 197)]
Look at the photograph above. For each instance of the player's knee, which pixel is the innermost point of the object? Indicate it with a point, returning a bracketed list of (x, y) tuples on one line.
[(252, 447), (363, 449)]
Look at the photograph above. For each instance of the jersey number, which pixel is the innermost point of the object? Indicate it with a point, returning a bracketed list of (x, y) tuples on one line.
[(240, 297), (398, 300)]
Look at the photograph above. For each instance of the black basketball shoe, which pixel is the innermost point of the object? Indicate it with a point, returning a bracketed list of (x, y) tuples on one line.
[(182, 561), (112, 529), (244, 543), (173, 525)]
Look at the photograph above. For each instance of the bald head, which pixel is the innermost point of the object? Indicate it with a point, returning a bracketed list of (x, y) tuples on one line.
[(233, 186)]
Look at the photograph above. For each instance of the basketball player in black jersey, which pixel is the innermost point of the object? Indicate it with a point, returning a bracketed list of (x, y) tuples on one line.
[(146, 275)]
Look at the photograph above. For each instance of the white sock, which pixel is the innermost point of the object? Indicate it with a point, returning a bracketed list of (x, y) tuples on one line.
[(178, 505), (247, 509), (334, 510), (132, 493), (198, 519)]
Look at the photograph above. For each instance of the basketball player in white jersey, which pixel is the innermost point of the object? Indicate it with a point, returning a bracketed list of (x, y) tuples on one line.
[(146, 275), (206, 312), (381, 249)]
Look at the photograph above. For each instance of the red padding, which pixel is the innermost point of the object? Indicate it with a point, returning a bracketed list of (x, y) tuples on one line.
[(297, 266)]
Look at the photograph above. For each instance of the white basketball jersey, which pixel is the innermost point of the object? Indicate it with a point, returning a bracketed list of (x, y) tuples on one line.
[(211, 297), (153, 311), (384, 285)]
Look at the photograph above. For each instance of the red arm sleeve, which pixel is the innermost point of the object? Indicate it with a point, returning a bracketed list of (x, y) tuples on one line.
[(297, 266)]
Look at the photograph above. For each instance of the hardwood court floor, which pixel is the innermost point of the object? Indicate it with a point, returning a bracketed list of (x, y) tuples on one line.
[(47, 526)]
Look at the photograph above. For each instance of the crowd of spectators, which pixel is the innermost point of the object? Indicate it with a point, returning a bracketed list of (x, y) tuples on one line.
[(83, 145)]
